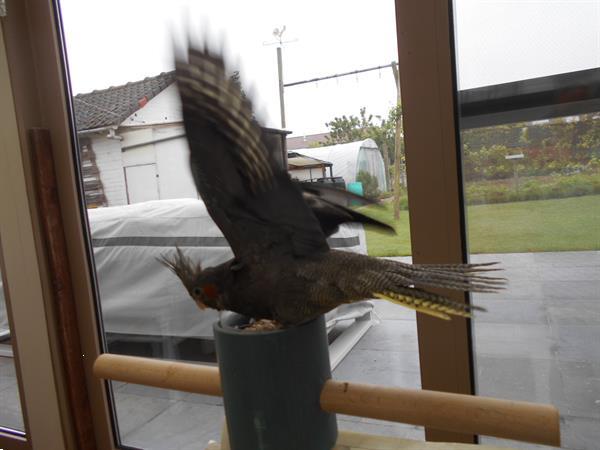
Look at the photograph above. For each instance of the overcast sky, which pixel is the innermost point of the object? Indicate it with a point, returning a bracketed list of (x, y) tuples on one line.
[(111, 42)]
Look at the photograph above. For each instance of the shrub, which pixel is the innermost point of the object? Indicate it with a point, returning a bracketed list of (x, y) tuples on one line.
[(370, 184)]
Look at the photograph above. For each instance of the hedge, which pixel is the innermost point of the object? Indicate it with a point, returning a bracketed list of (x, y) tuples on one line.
[(534, 188)]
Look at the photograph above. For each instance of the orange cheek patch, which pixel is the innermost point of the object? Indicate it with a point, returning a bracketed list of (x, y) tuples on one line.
[(210, 290)]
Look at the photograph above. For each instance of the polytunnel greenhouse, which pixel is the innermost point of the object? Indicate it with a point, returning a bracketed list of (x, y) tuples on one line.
[(349, 159)]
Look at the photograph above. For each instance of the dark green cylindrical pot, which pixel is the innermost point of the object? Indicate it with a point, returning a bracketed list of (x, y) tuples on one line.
[(271, 384)]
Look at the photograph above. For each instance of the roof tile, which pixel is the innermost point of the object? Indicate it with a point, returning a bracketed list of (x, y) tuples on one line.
[(111, 106)]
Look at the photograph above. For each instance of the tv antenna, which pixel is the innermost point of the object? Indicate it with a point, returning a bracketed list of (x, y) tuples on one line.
[(278, 34)]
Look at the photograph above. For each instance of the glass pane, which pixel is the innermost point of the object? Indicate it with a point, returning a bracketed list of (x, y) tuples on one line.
[(532, 191), (11, 416), (142, 200), (538, 214), (499, 41)]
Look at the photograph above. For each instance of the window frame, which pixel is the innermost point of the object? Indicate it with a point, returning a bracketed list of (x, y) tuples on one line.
[(428, 83), (28, 299), (560, 95), (34, 49), (430, 100)]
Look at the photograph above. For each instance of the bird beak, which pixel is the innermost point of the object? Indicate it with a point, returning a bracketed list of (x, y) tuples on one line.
[(200, 304)]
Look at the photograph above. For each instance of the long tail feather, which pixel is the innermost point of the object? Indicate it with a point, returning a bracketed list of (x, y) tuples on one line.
[(465, 277), (428, 303), (408, 302), (406, 285), (463, 268)]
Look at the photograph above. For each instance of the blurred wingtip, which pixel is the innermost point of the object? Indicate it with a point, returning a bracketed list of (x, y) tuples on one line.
[(382, 228)]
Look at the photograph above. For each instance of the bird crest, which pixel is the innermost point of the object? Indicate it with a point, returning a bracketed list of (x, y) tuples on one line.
[(184, 268)]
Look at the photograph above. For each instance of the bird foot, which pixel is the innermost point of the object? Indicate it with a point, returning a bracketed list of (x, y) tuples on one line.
[(264, 325)]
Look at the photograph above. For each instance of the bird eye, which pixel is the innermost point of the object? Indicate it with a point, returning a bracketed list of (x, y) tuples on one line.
[(196, 291)]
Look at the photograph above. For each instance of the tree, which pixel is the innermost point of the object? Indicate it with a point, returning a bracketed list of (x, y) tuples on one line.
[(353, 128), (349, 128)]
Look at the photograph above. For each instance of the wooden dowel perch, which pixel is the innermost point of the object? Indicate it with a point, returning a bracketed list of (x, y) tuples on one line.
[(199, 379), (460, 413), (469, 414)]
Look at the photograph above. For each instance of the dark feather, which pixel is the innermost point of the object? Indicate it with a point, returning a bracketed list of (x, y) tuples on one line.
[(272, 223), (331, 215), (253, 202), (336, 195)]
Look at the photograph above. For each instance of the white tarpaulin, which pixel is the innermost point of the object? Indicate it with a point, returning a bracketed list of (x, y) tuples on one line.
[(141, 296)]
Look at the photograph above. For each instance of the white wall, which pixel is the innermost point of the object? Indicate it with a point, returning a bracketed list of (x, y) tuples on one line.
[(172, 160), (110, 165), (162, 109), (137, 156), (165, 146), (135, 136), (305, 174), (152, 135), (142, 183)]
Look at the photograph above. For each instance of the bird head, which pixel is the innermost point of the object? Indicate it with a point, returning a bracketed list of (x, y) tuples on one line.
[(197, 282)]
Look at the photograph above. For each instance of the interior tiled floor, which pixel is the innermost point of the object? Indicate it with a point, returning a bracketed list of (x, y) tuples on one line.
[(539, 341), (10, 405)]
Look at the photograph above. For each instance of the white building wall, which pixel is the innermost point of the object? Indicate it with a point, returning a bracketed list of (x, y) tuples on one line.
[(162, 109), (172, 160), (152, 135), (305, 174), (110, 165), (135, 136), (137, 156), (165, 146)]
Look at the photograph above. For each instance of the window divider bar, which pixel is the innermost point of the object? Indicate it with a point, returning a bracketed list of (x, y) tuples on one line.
[(437, 224), (541, 98)]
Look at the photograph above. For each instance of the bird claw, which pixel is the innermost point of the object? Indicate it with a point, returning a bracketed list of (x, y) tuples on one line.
[(263, 325)]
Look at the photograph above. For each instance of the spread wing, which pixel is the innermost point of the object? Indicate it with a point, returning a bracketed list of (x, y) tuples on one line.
[(325, 203), (252, 200)]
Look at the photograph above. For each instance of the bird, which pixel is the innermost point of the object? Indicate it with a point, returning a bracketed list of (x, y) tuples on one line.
[(282, 268)]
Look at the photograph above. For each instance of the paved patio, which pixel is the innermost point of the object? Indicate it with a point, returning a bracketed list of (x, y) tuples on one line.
[(539, 341)]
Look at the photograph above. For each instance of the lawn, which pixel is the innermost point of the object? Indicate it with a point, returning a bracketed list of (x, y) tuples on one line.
[(531, 226)]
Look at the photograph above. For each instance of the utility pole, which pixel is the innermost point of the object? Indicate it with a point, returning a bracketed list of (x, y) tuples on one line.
[(278, 33), (386, 164), (398, 145), (281, 100)]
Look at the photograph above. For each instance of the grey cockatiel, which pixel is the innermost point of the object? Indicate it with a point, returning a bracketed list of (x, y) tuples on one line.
[(283, 268)]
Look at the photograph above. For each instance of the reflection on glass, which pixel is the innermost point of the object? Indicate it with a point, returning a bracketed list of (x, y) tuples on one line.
[(142, 201), (533, 196), (11, 416)]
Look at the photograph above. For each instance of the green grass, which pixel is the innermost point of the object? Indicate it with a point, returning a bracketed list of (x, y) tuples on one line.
[(531, 226), (381, 244)]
